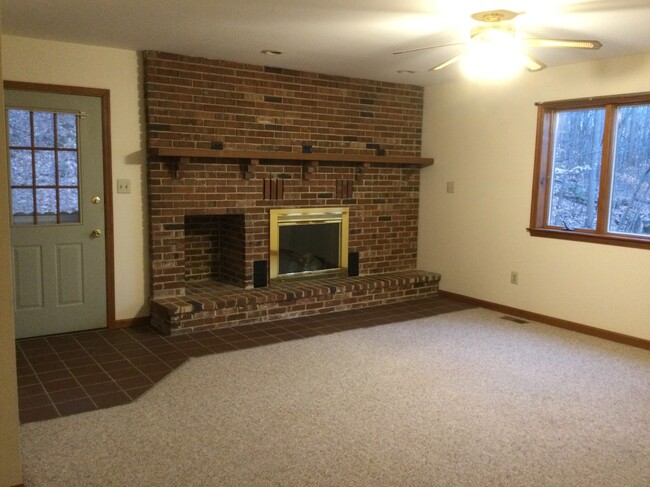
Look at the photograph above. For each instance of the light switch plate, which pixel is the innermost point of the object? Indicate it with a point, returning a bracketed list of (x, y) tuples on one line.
[(123, 185)]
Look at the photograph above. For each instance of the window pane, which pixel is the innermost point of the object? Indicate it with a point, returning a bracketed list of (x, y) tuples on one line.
[(45, 169), (66, 125), (22, 206), (630, 202), (69, 204), (68, 168), (575, 177), (20, 162), (19, 128), (46, 205), (43, 129)]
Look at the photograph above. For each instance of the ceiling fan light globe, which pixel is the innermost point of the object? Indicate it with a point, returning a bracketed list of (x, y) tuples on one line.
[(499, 32), (489, 61)]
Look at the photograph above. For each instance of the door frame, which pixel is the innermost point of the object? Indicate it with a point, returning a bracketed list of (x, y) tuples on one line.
[(104, 96)]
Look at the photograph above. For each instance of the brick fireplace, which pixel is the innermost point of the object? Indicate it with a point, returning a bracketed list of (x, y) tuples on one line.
[(296, 140)]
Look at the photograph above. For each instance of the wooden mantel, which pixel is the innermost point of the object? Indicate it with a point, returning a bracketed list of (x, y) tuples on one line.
[(289, 156)]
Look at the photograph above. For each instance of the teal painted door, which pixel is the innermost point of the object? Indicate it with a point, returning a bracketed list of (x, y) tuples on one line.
[(57, 205)]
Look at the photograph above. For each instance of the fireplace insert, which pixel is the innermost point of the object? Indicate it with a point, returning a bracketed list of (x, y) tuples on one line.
[(308, 242)]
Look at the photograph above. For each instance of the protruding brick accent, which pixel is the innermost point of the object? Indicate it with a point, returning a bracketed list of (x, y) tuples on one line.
[(273, 189), (344, 188)]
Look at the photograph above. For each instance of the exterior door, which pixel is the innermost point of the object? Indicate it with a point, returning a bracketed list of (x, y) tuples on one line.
[(57, 202)]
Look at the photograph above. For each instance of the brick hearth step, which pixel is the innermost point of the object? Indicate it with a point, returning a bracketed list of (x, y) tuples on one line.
[(209, 304)]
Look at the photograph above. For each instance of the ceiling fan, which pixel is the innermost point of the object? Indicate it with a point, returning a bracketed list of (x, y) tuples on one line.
[(496, 29)]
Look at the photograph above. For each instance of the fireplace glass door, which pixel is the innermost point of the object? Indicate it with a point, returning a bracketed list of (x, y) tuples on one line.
[(309, 241)]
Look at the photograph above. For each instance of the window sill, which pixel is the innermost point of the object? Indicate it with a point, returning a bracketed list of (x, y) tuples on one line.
[(638, 243)]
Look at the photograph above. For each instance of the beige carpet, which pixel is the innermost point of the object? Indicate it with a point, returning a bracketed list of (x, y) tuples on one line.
[(462, 399)]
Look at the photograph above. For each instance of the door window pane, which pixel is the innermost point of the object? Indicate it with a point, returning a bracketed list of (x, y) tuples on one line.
[(630, 201), (45, 202), (22, 206), (69, 205), (575, 172), (68, 168), (43, 129), (20, 132), (21, 167), (66, 130), (44, 166)]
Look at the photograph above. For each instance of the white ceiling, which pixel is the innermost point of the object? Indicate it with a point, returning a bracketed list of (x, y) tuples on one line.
[(343, 37)]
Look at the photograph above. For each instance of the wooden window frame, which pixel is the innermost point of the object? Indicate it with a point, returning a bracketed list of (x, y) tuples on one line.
[(543, 164)]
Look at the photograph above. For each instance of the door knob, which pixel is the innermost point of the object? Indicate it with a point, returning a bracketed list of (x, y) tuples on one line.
[(96, 233), (96, 200)]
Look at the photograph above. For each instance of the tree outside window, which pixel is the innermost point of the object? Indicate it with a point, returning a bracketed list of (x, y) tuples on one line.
[(592, 171)]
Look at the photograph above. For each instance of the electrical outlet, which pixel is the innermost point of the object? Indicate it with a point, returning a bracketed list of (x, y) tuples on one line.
[(451, 187), (514, 277), (123, 185)]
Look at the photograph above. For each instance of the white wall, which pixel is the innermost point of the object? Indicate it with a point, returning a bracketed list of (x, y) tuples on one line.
[(118, 70), (482, 137), (10, 467)]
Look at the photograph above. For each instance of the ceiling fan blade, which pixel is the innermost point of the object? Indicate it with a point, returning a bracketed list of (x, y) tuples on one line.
[(428, 47), (594, 6), (533, 64), (564, 43), (447, 62)]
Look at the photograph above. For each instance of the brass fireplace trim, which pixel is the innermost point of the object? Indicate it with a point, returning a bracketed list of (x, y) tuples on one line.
[(302, 216)]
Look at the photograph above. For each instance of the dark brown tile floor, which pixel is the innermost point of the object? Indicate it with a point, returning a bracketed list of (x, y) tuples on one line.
[(77, 372)]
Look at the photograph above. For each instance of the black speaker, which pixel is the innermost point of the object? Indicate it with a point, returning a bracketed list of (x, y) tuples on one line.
[(353, 264), (260, 273)]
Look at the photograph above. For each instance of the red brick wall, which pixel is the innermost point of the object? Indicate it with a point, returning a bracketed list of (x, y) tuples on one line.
[(191, 102), (194, 101)]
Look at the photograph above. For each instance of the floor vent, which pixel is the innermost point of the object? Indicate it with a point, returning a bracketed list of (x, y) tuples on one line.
[(515, 320)]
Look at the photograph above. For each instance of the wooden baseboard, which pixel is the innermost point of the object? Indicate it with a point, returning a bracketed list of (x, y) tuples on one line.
[(549, 320), (128, 322)]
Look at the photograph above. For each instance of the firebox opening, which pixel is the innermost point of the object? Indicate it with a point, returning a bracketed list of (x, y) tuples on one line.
[(308, 241), (214, 248)]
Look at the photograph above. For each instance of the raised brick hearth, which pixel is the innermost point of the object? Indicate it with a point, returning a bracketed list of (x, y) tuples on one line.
[(209, 217), (209, 304)]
